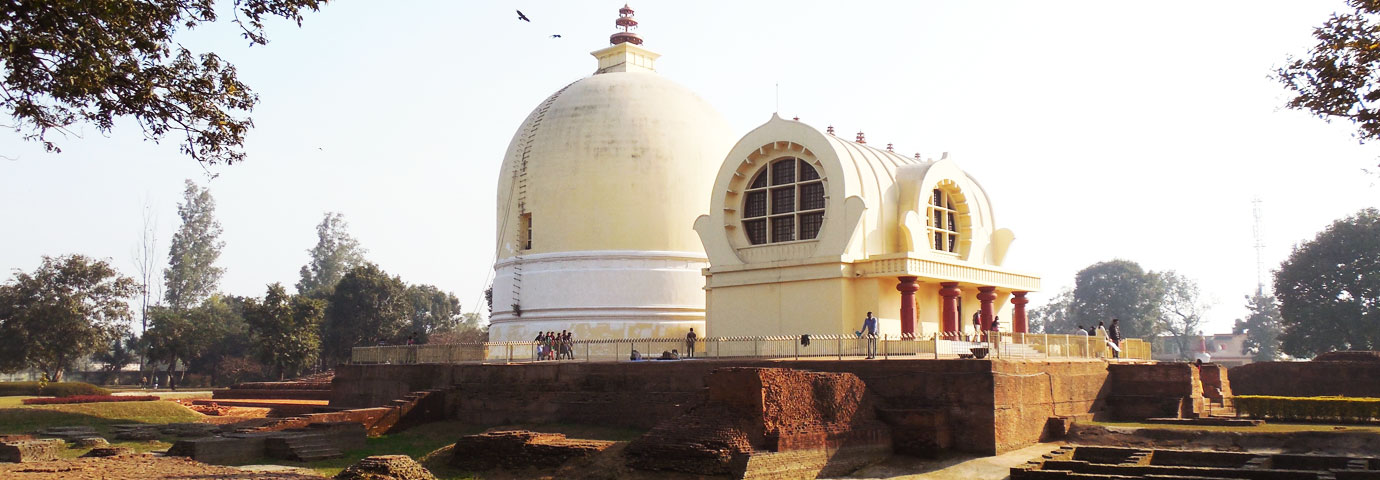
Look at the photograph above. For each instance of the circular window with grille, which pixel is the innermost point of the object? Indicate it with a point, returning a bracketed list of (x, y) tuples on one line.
[(784, 202)]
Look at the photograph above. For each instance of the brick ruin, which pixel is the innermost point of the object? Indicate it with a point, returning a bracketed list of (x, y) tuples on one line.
[(518, 449), (976, 406), (775, 418), (1086, 462), (315, 442), (24, 451), (1347, 374), (760, 422)]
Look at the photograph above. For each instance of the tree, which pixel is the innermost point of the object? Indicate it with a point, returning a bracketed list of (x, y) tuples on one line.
[(146, 263), (432, 311), (284, 329), (68, 308), (192, 275), (367, 307), (1056, 316), (93, 61), (1181, 309), (1340, 77), (186, 336), (1118, 289), (1329, 289), (1262, 328), (335, 253), (471, 329), (122, 351)]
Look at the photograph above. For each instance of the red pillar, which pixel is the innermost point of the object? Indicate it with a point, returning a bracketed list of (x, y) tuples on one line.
[(1018, 322), (950, 292), (907, 287), (987, 295)]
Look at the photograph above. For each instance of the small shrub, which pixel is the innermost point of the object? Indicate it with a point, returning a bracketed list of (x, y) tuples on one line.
[(1343, 409), (60, 389), (88, 399)]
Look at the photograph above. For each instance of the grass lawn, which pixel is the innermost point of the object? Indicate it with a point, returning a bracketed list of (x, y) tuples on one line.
[(18, 418), (1268, 427), (15, 417), (6, 402)]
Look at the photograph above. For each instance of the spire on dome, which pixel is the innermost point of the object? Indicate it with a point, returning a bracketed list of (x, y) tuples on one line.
[(626, 22), (625, 55)]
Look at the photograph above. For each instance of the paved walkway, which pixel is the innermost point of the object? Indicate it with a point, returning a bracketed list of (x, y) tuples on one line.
[(954, 468)]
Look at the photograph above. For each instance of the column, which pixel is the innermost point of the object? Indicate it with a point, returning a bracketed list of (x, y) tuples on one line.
[(987, 295), (950, 292), (907, 287), (1018, 322)]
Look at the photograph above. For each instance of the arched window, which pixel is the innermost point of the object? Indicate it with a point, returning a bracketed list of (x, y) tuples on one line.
[(784, 203), (943, 222)]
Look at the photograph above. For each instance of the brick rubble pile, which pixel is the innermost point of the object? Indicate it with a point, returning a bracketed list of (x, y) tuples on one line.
[(386, 467), (517, 449)]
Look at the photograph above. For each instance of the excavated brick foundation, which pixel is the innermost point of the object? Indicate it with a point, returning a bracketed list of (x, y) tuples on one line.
[(1084, 462), (518, 449), (767, 423)]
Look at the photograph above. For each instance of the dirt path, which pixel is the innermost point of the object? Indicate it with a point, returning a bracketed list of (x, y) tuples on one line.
[(136, 467), (954, 468)]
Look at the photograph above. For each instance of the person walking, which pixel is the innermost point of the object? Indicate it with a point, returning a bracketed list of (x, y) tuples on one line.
[(869, 329), (690, 339), (977, 326)]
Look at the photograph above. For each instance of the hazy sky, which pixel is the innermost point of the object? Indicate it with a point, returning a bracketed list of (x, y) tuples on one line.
[(1135, 130)]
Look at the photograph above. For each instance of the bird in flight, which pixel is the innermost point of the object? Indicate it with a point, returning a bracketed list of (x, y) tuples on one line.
[(556, 36), (523, 17)]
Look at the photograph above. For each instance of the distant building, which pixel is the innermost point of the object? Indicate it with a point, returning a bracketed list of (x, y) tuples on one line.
[(1222, 348)]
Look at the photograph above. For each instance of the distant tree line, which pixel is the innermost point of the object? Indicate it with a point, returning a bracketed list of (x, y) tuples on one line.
[(1326, 297), (74, 307)]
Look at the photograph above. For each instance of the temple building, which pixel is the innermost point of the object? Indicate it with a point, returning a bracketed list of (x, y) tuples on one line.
[(596, 196), (807, 232), (601, 227)]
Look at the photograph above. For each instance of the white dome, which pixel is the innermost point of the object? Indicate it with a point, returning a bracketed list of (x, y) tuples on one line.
[(615, 161), (610, 173)]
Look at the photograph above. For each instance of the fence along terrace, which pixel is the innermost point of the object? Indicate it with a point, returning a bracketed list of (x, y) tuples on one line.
[(951, 345)]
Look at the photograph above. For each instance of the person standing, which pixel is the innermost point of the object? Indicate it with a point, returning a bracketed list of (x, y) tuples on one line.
[(869, 329), (1114, 334), (690, 339), (977, 326)]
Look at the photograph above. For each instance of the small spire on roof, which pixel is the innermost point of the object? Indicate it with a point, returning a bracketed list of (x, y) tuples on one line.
[(625, 21), (889, 149), (796, 118), (860, 137), (917, 155), (830, 130)]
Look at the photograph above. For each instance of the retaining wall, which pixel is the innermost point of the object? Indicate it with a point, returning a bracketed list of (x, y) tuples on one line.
[(979, 406), (1307, 379)]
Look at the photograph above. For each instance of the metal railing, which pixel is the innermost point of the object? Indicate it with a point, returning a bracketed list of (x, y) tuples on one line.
[(941, 345)]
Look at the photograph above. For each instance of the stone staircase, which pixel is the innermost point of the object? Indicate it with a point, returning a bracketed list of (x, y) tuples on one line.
[(305, 447)]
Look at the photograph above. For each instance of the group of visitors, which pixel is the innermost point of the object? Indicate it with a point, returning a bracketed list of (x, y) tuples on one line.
[(1111, 334), (978, 332), (555, 346)]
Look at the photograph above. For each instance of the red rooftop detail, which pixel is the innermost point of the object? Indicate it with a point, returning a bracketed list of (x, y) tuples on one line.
[(860, 138), (831, 130), (889, 149), (626, 22)]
